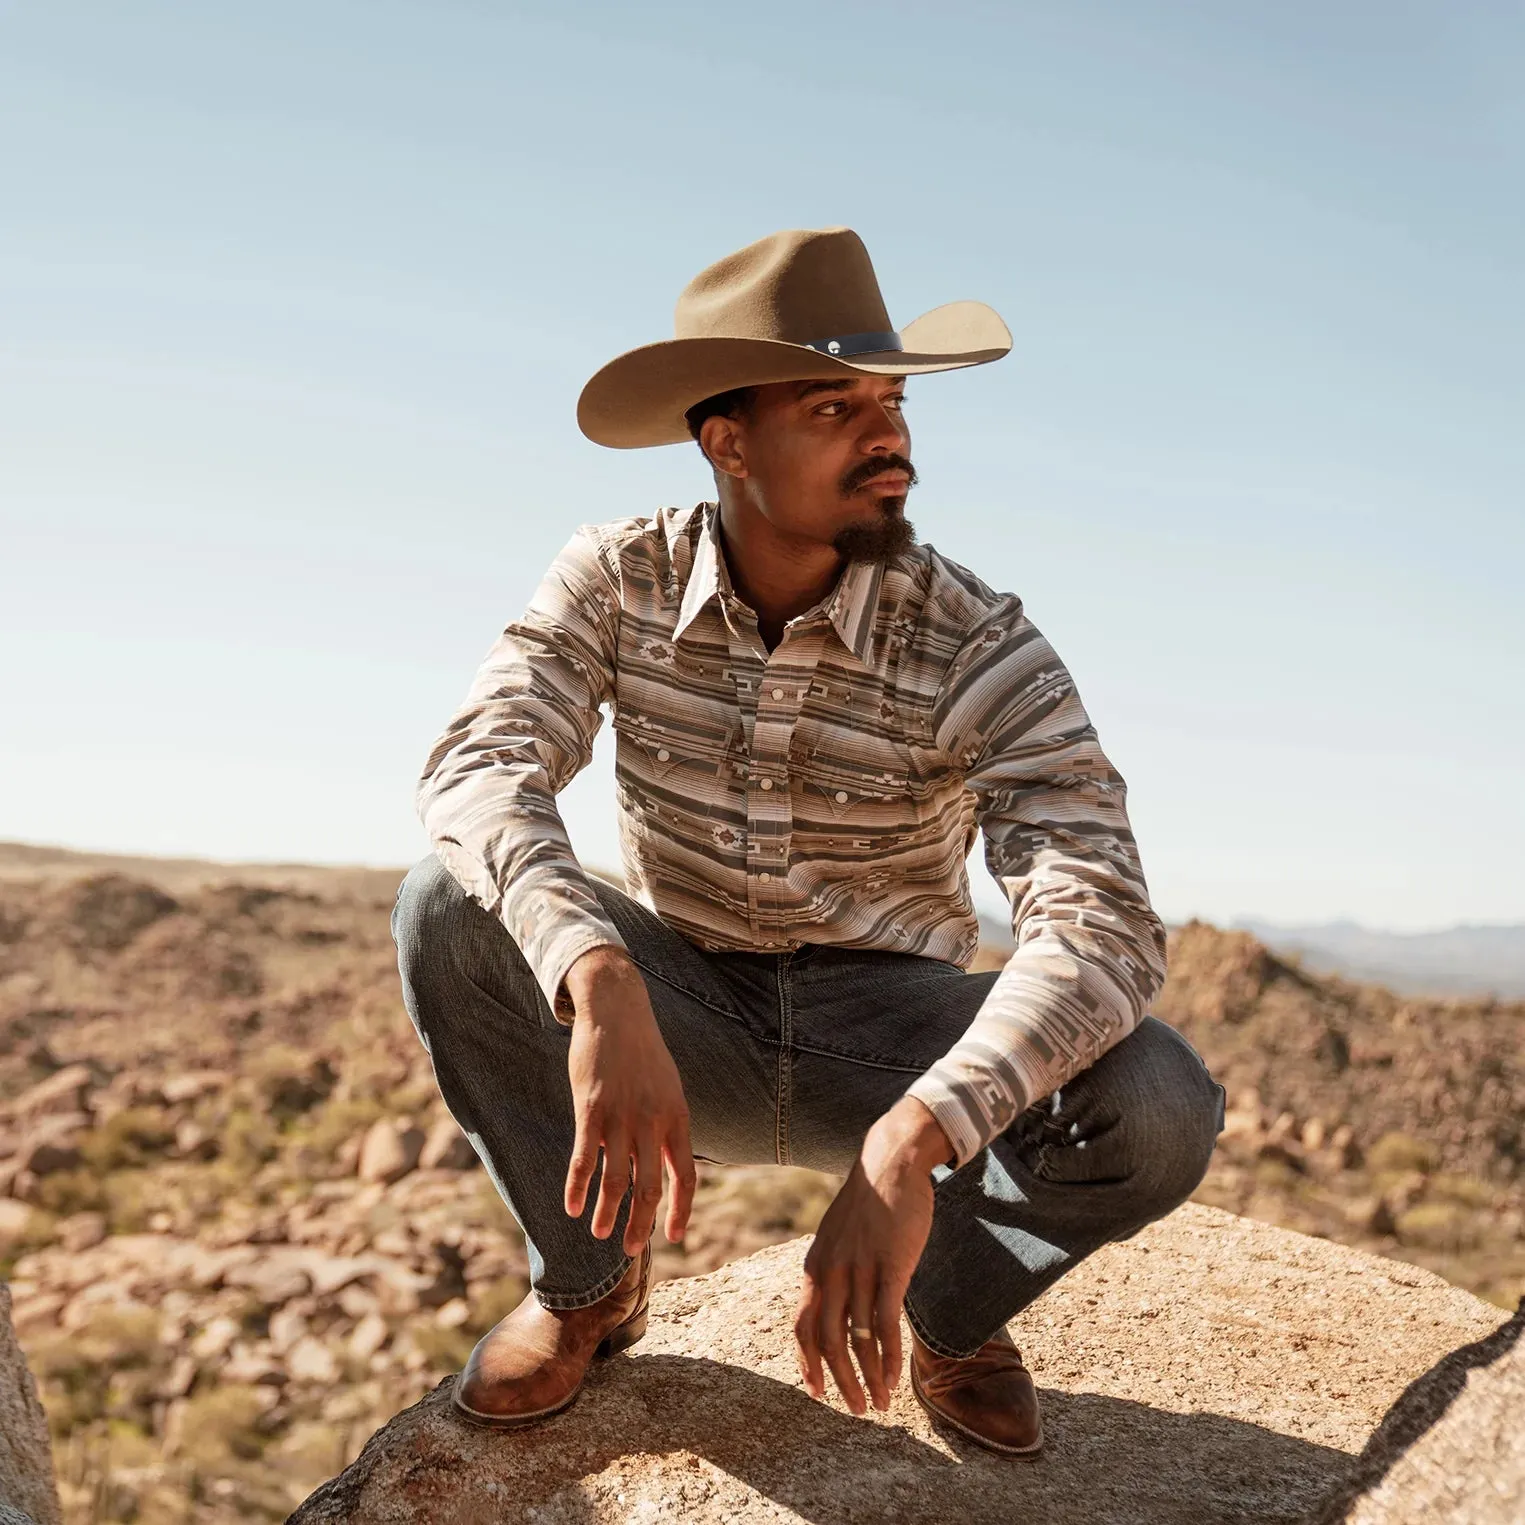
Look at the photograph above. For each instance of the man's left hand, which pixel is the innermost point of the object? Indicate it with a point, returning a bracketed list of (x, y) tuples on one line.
[(865, 1251)]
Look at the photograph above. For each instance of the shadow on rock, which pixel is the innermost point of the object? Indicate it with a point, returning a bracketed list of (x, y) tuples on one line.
[(1421, 1410), (679, 1437)]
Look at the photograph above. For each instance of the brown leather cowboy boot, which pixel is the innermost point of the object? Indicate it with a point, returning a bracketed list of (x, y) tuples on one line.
[(989, 1396), (532, 1363)]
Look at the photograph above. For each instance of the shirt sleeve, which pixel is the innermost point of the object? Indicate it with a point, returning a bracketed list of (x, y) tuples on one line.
[(1090, 950), (487, 796)]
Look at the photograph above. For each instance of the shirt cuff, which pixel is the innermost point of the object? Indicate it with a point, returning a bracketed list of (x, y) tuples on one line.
[(956, 1115), (558, 953)]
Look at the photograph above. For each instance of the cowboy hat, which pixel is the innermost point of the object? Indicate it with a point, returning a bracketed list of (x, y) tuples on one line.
[(801, 305)]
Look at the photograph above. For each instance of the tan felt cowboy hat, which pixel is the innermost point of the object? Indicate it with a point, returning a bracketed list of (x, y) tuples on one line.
[(796, 306)]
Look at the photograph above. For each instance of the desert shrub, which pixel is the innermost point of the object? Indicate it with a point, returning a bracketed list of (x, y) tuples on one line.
[(76, 1368), (131, 1138), (1395, 1152), (219, 1424), (248, 1140), (1440, 1226), (1468, 1191), (444, 1349), (310, 1453), (67, 1192), (494, 1301), (291, 1083), (130, 1199), (335, 1123)]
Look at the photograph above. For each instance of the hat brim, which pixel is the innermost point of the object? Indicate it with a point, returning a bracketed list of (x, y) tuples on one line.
[(640, 397)]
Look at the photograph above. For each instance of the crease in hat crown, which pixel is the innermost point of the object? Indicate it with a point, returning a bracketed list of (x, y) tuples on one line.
[(801, 304), (800, 286)]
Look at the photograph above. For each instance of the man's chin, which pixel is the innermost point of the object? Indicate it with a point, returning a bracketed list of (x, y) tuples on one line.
[(878, 539)]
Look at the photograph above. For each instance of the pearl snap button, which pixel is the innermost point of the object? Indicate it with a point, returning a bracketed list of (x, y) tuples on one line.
[(767, 783), (766, 878), (841, 796), (778, 693), (663, 754)]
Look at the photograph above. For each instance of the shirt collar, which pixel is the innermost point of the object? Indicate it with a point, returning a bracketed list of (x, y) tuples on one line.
[(850, 605)]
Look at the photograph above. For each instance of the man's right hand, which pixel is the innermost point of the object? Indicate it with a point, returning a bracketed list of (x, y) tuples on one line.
[(629, 1102)]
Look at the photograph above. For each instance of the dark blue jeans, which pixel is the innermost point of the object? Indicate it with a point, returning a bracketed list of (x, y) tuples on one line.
[(789, 1058)]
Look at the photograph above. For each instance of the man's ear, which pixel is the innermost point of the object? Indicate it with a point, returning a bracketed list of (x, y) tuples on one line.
[(720, 439)]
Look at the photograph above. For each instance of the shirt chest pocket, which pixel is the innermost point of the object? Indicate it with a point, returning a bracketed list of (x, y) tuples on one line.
[(868, 789), (688, 758)]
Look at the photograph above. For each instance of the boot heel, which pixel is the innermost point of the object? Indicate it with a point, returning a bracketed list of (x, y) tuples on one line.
[(624, 1337)]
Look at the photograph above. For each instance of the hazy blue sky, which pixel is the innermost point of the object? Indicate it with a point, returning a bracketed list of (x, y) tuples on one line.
[(296, 299)]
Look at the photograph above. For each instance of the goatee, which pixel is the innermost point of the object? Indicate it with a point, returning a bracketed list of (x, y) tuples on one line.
[(880, 539), (889, 534)]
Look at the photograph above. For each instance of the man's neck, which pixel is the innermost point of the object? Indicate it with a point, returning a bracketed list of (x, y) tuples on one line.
[(776, 579)]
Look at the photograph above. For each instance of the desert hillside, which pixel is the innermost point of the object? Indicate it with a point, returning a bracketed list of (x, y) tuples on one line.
[(242, 1232)]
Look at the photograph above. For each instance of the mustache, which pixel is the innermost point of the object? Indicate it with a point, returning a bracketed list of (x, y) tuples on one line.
[(866, 471)]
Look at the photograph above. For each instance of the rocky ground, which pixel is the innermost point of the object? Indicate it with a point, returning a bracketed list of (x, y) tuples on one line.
[(241, 1232)]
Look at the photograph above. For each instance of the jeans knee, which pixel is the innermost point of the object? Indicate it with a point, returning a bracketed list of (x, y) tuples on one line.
[(452, 954), (430, 909), (1177, 1117)]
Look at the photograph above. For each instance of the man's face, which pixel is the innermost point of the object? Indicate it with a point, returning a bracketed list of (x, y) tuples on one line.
[(825, 462)]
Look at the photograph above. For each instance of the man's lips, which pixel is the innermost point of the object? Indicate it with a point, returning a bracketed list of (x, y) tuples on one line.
[(894, 479)]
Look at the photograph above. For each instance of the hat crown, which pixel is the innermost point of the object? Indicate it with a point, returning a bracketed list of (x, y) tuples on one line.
[(798, 286)]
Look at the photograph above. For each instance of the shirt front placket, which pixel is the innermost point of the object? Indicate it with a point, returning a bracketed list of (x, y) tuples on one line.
[(770, 687)]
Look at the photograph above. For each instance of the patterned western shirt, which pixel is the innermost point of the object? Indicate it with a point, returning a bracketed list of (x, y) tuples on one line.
[(827, 792)]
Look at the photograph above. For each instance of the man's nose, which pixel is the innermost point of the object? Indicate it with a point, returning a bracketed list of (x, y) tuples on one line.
[(885, 429)]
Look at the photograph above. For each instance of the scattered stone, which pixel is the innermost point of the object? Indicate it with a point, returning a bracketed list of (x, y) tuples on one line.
[(388, 1152), (310, 1360), (369, 1335), (81, 1232), (193, 1085), (15, 1219), (287, 1327), (216, 1339), (250, 1367), (193, 1142), (453, 1314), (66, 1091), (180, 1379), (272, 1281), (447, 1148)]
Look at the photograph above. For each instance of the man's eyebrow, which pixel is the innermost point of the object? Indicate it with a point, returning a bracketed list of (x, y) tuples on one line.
[(810, 388)]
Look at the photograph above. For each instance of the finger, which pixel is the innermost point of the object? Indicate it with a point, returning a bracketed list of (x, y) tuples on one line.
[(684, 1177), (612, 1184), (648, 1193), (580, 1171), (887, 1327), (861, 1333), (807, 1337), (833, 1328)]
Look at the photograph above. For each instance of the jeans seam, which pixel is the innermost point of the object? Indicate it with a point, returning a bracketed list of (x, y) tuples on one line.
[(565, 1302), (693, 995), (785, 1025), (872, 1064)]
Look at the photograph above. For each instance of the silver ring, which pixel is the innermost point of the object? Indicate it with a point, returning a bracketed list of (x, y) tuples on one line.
[(858, 1332)]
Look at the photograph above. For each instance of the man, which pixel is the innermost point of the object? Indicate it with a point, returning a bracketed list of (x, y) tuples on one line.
[(814, 714)]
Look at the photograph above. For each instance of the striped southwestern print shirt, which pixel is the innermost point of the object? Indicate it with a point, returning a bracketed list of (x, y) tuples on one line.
[(826, 792)]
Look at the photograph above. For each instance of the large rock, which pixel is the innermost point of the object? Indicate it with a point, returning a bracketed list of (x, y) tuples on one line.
[(1211, 1369), (1451, 1448), (27, 1489)]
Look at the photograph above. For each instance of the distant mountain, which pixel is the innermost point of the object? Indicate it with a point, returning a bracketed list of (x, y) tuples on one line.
[(1464, 960)]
